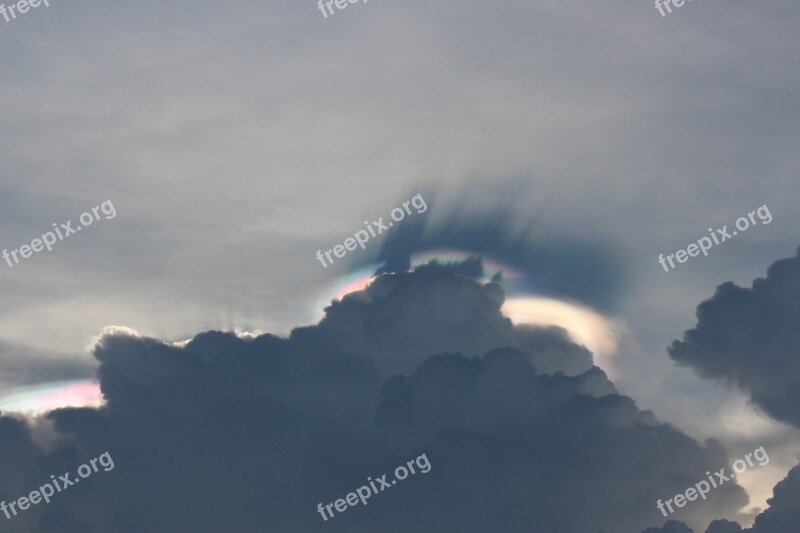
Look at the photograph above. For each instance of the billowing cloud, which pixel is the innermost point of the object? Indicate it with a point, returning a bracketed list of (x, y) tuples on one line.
[(401, 320), (783, 513), (19, 456), (724, 526), (750, 338), (671, 526), (243, 433)]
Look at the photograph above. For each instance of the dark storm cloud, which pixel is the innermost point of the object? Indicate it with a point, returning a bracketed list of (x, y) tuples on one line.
[(241, 434), (717, 526), (671, 526), (783, 513), (499, 391), (572, 267), (401, 320), (19, 462), (723, 526), (750, 338)]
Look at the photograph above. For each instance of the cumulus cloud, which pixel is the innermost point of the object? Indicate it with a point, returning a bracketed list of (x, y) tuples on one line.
[(672, 526), (724, 526), (19, 456), (783, 513), (402, 319), (749, 338), (233, 433)]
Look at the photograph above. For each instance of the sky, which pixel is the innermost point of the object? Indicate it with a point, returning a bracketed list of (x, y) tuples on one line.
[(563, 145)]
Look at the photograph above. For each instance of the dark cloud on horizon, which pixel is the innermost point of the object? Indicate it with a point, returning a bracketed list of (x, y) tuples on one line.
[(750, 338), (238, 434)]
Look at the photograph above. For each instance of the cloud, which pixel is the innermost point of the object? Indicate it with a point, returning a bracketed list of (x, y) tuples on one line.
[(783, 513), (245, 433), (19, 456), (750, 338), (723, 526), (501, 391), (672, 526), (402, 319)]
